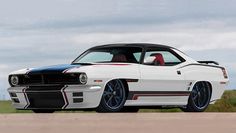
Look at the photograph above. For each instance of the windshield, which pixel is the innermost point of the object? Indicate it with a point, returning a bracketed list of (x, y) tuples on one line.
[(111, 54)]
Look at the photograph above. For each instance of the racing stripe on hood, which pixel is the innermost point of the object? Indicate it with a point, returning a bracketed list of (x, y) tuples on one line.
[(58, 69), (52, 69)]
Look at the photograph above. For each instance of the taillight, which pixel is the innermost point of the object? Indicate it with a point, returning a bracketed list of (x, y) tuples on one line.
[(224, 73)]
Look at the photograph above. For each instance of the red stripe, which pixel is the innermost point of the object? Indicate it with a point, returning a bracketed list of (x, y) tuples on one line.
[(114, 64)]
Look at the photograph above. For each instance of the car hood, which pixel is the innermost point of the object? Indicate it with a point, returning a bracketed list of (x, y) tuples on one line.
[(56, 69), (71, 68)]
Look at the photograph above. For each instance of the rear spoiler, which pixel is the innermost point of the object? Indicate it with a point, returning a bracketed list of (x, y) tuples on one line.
[(208, 62)]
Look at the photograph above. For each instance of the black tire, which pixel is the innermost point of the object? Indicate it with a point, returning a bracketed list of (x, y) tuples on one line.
[(43, 111), (199, 98), (113, 98)]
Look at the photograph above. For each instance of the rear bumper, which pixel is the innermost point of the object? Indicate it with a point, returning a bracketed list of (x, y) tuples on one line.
[(56, 97)]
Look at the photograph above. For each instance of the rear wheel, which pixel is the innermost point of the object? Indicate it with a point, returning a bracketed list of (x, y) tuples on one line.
[(199, 98), (113, 98), (43, 111)]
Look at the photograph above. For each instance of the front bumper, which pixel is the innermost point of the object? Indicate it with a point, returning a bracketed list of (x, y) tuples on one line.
[(56, 96)]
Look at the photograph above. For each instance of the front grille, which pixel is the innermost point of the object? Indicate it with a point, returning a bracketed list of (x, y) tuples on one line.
[(39, 79), (45, 88), (46, 100), (52, 97)]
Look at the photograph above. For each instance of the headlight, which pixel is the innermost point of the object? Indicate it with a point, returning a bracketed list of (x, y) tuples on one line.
[(14, 80), (83, 78)]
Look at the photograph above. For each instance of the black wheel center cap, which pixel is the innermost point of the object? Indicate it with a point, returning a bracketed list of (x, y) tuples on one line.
[(199, 94)]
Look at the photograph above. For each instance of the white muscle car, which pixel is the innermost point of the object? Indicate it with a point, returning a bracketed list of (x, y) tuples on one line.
[(120, 77)]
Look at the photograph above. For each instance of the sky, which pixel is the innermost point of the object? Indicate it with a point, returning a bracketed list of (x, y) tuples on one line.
[(36, 33)]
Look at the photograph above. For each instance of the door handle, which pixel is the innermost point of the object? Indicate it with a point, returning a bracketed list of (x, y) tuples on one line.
[(179, 72)]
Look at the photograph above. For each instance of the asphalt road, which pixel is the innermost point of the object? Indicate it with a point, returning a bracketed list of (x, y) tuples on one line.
[(119, 123)]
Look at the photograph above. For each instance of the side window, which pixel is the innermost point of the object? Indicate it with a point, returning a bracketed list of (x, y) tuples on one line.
[(161, 58), (137, 55), (169, 57)]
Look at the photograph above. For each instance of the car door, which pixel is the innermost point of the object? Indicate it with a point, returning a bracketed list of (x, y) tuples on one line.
[(163, 78)]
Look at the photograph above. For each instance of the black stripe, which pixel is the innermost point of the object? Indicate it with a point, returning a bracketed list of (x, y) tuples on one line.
[(65, 98), (57, 69), (195, 64), (26, 98), (131, 80), (166, 93)]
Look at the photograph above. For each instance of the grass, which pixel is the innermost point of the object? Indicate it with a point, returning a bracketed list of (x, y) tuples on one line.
[(226, 104), (6, 107)]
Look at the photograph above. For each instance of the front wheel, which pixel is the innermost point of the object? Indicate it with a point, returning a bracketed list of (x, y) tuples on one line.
[(113, 98), (199, 98)]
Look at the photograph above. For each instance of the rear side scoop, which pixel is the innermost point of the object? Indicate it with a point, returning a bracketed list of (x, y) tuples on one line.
[(208, 62)]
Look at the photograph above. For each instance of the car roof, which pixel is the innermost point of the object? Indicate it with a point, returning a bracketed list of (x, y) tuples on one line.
[(142, 45)]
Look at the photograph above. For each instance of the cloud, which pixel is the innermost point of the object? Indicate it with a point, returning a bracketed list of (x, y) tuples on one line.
[(185, 40), (59, 14), (39, 33), (44, 9)]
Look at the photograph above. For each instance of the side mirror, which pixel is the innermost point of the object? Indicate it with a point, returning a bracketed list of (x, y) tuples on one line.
[(149, 60)]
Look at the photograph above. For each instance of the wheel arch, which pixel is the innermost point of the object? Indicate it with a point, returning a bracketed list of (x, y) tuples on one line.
[(208, 83), (126, 85), (205, 81), (126, 88), (191, 106), (124, 81)]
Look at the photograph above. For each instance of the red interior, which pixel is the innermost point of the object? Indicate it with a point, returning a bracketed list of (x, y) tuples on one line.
[(119, 58), (159, 60)]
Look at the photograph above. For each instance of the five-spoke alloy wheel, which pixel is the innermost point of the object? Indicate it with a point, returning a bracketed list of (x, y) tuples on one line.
[(113, 98), (199, 98)]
